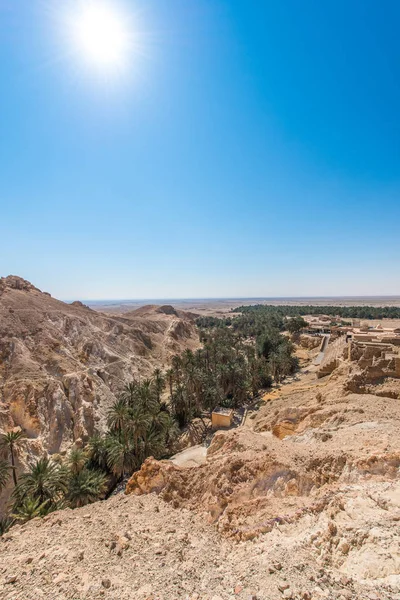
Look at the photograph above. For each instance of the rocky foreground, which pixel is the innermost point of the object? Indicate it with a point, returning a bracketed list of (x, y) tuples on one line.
[(302, 502), (143, 548)]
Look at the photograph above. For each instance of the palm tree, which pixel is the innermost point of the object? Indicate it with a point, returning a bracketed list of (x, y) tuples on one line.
[(170, 429), (159, 384), (97, 453), (154, 444), (160, 421), (85, 487), (4, 474), (45, 481), (118, 415), (5, 524), (146, 397), (11, 440), (121, 454), (165, 426), (129, 393), (139, 423), (187, 358), (77, 460), (179, 405), (170, 376), (176, 367), (30, 508)]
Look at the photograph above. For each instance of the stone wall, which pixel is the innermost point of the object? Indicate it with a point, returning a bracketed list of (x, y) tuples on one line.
[(334, 353)]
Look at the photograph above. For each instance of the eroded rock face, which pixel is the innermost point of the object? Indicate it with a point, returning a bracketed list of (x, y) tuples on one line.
[(292, 459), (15, 283), (61, 365)]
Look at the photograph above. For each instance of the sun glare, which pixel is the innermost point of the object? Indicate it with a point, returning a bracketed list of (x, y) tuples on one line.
[(100, 35)]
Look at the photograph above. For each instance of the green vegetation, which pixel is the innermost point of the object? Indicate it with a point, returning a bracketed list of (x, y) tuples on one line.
[(4, 474), (247, 325), (140, 425), (29, 508), (45, 482), (226, 371), (5, 524), (208, 322), (10, 441), (296, 324), (237, 360), (346, 312)]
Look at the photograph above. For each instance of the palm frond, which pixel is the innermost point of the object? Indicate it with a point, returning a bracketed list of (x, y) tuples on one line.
[(85, 487), (45, 481), (4, 474), (30, 508)]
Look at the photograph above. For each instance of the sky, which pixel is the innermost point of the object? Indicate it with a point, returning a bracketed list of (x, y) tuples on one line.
[(245, 148)]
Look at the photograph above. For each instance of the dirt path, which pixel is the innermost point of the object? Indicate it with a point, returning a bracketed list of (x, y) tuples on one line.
[(320, 357)]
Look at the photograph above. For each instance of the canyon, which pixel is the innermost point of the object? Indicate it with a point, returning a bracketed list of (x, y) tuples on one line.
[(62, 365), (300, 501)]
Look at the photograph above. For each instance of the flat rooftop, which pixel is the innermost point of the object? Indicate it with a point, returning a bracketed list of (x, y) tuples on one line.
[(220, 410)]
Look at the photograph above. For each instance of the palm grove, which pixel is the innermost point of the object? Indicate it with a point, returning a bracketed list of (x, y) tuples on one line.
[(238, 358)]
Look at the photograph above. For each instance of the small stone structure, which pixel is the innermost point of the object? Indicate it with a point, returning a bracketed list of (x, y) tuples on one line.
[(376, 359), (221, 417)]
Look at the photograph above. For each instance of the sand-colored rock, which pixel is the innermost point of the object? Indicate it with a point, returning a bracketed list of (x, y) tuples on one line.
[(283, 429), (141, 547), (61, 365), (309, 341)]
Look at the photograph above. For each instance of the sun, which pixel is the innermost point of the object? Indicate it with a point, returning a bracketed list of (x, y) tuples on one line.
[(100, 35)]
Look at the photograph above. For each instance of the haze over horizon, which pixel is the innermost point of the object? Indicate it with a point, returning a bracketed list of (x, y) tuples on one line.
[(229, 149), (100, 301)]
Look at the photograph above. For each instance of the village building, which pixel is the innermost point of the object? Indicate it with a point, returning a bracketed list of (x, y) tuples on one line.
[(222, 417)]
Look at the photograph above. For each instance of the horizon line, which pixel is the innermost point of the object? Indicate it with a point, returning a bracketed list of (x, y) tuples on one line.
[(233, 298)]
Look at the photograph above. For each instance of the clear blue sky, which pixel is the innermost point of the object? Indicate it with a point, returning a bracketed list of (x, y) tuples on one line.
[(251, 148)]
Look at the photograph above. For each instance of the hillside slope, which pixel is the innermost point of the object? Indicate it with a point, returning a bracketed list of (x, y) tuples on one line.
[(62, 364)]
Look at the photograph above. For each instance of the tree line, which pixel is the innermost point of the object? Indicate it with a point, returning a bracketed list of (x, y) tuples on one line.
[(346, 312), (254, 323)]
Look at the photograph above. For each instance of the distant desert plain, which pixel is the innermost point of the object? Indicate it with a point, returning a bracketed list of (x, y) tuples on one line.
[(220, 307)]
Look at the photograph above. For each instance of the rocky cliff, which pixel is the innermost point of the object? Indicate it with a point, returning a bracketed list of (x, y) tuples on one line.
[(61, 365)]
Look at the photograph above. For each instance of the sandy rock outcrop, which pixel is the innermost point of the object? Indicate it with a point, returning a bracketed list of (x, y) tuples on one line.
[(142, 548)]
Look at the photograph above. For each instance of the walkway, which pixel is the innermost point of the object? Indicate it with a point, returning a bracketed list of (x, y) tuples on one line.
[(320, 357)]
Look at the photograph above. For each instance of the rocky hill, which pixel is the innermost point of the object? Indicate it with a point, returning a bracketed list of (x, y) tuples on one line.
[(62, 364)]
